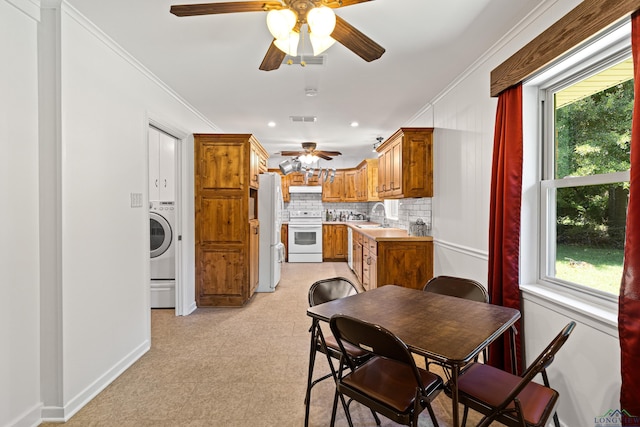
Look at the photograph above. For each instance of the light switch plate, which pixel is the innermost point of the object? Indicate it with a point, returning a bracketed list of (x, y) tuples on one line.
[(136, 200)]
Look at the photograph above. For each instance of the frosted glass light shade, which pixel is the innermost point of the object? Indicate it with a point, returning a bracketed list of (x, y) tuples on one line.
[(289, 44), (321, 20), (280, 22), (308, 159), (320, 43)]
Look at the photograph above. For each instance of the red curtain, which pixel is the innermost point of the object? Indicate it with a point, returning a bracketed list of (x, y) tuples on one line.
[(504, 218), (629, 309)]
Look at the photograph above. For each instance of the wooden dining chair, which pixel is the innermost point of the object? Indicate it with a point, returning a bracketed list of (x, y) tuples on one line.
[(389, 383), (322, 291), (515, 401)]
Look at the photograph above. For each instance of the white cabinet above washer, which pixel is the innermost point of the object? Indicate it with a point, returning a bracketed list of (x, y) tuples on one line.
[(162, 159)]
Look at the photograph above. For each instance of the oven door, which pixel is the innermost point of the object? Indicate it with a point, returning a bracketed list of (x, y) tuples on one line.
[(305, 239)]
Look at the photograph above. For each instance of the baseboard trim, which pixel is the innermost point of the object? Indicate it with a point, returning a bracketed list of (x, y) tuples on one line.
[(29, 418), (63, 414)]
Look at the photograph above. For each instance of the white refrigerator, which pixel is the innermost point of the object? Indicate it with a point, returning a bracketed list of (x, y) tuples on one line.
[(270, 211)]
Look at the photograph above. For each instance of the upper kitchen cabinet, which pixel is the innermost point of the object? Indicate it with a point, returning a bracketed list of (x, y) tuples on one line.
[(257, 162), (162, 175), (367, 181), (226, 231), (406, 164), (333, 188), (350, 185)]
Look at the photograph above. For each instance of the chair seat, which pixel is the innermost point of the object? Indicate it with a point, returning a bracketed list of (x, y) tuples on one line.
[(484, 383), (379, 375), (352, 350)]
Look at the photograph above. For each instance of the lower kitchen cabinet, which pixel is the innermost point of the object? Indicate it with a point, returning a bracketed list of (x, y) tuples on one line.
[(334, 242), (403, 262), (284, 238)]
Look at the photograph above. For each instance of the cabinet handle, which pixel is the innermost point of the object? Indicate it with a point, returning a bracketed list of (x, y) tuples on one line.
[(257, 230), (369, 261), (165, 183), (156, 183)]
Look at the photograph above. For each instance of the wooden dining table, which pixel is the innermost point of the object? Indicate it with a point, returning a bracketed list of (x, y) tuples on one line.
[(447, 329)]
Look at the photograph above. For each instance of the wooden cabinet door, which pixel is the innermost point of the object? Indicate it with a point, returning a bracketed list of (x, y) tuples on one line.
[(284, 237), (395, 183), (254, 167), (373, 271), (361, 183), (340, 242), (296, 178), (254, 254), (350, 185), (372, 181), (327, 241), (357, 261), (334, 191), (408, 264)]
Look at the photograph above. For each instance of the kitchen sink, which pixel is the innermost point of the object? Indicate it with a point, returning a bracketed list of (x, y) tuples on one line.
[(369, 225)]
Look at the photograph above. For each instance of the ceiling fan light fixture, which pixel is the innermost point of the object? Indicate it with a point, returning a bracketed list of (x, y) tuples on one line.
[(321, 20), (308, 159), (320, 43), (280, 22), (289, 44)]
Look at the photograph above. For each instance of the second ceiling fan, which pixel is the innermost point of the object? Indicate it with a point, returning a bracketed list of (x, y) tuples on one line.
[(285, 20), (309, 150)]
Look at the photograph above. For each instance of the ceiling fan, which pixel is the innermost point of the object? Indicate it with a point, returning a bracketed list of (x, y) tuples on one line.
[(309, 149), (325, 27)]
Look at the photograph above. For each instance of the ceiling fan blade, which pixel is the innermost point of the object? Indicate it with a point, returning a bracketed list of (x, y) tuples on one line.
[(223, 7), (272, 59), (356, 41), (322, 156), (291, 153), (334, 4), (329, 153)]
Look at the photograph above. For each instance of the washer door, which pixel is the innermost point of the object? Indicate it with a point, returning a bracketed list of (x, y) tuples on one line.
[(160, 233)]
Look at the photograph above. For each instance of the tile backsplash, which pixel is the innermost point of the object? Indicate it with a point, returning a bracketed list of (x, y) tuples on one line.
[(409, 210)]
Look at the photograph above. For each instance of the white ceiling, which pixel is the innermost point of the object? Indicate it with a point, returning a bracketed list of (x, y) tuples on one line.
[(212, 62)]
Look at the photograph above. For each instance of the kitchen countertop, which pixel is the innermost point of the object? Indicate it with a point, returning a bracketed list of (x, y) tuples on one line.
[(382, 234)]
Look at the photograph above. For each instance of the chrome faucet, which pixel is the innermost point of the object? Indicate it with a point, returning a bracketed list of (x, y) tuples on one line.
[(385, 222)]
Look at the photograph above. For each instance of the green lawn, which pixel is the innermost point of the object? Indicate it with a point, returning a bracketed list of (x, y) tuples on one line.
[(593, 267)]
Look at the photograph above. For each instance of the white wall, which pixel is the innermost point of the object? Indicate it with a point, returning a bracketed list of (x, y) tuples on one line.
[(19, 259), (106, 104), (586, 372), (74, 254)]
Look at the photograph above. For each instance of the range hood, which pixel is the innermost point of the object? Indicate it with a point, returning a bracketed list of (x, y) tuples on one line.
[(308, 189)]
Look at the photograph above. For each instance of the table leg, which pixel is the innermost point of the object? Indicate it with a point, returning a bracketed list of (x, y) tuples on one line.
[(514, 356), (455, 415), (312, 358)]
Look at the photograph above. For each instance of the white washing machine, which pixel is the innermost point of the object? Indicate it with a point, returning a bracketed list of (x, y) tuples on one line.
[(162, 219)]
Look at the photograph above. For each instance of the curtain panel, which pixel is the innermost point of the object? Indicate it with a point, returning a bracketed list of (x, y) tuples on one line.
[(504, 220), (629, 300)]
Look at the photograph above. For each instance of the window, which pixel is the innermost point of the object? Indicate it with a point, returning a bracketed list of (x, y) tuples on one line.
[(585, 174), (391, 208)]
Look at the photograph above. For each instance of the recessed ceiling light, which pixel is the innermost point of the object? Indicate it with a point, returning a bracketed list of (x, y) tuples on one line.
[(354, 124), (271, 124)]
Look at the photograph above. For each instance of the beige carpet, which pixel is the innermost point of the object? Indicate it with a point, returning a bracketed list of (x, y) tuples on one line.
[(233, 367)]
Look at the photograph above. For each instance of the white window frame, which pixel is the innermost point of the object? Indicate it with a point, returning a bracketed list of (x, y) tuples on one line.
[(601, 54), (391, 208)]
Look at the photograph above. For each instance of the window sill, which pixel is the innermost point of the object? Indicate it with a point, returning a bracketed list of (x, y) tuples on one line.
[(602, 315)]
